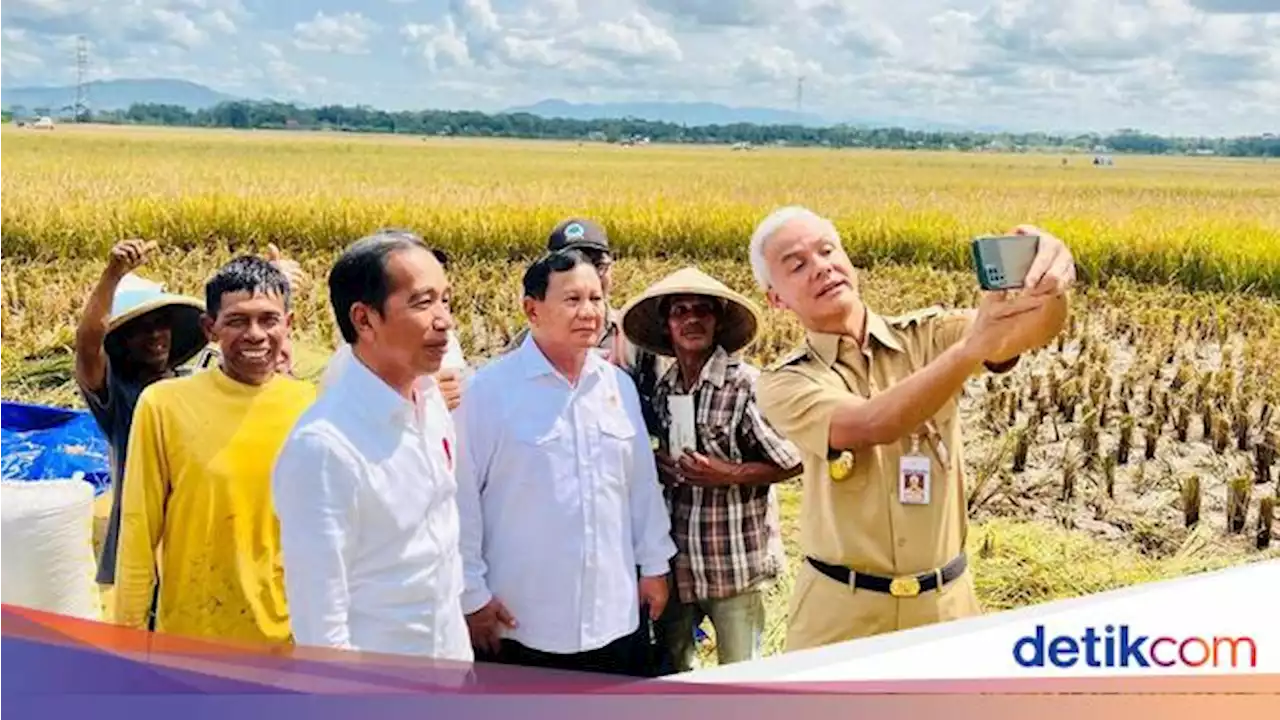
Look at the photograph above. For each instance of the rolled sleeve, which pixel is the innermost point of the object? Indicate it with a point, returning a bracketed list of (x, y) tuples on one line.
[(314, 485), (800, 408)]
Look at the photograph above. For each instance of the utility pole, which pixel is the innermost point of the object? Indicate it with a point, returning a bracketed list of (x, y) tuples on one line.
[(82, 71), (799, 94)]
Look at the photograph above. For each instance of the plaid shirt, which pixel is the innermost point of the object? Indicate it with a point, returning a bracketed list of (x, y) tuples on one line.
[(728, 538)]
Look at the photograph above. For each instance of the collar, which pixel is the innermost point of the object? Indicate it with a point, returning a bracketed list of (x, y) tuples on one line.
[(228, 384), (827, 345), (374, 397), (536, 364), (715, 370)]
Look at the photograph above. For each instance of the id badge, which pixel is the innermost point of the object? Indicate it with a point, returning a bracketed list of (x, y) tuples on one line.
[(913, 480)]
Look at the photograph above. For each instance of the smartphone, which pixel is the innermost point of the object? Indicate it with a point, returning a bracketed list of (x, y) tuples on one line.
[(1002, 261)]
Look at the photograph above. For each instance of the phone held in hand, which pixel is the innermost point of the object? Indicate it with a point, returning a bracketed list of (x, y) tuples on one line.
[(1002, 261)]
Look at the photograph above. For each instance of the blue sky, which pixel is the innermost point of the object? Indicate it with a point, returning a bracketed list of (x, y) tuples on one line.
[(1175, 66)]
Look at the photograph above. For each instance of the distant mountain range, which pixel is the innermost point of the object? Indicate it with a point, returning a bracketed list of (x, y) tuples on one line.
[(120, 94), (114, 95), (699, 113), (703, 113)]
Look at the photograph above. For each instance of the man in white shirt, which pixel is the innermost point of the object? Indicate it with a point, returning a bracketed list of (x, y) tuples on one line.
[(364, 487), (558, 491)]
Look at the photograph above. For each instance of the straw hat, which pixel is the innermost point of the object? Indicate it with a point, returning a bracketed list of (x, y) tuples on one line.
[(645, 326), (136, 297)]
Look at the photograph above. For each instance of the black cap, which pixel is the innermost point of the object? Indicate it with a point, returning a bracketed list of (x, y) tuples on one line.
[(578, 233)]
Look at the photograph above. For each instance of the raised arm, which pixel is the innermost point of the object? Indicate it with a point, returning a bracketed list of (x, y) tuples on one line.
[(313, 486), (91, 356), (825, 416)]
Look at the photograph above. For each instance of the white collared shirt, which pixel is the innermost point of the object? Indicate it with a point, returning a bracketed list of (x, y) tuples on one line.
[(365, 494), (560, 500)]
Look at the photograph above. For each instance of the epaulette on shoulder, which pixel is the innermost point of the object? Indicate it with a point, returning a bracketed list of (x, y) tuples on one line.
[(915, 316), (792, 358)]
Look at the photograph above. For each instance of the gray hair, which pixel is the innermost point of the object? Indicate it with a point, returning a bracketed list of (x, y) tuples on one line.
[(770, 226)]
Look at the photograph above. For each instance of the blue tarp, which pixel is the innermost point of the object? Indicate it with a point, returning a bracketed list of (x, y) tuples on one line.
[(50, 443)]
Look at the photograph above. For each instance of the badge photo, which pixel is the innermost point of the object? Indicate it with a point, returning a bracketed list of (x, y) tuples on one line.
[(913, 480)]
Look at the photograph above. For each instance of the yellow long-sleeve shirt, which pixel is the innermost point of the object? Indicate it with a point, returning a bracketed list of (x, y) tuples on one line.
[(197, 505)]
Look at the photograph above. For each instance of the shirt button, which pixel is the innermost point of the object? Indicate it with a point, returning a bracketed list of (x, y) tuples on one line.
[(902, 542)]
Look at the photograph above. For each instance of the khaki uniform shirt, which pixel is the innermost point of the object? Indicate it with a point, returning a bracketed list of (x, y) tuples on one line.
[(859, 522)]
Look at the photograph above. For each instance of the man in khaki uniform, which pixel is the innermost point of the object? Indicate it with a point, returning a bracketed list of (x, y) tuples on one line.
[(872, 404)]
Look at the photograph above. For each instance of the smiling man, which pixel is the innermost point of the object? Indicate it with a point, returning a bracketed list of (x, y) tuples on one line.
[(724, 514), (197, 486), (364, 487), (871, 401)]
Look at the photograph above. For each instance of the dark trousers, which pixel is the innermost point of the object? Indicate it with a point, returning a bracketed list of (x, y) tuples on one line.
[(636, 655), (616, 658)]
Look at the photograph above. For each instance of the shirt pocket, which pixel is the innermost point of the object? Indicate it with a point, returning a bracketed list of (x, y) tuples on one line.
[(543, 454), (616, 447), (540, 431)]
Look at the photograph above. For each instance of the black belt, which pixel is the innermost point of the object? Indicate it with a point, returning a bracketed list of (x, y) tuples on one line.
[(905, 586)]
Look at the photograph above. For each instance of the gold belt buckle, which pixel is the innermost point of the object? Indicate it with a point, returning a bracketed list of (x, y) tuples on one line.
[(908, 586)]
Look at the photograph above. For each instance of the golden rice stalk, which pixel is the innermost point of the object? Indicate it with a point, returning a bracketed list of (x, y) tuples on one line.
[(1238, 492), (1109, 475), (988, 546), (1191, 500), (1022, 445), (1221, 433), (1089, 440), (1183, 423), (1126, 439), (1240, 425), (1266, 516)]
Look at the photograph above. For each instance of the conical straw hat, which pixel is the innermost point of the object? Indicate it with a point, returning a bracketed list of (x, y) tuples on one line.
[(136, 297), (645, 326)]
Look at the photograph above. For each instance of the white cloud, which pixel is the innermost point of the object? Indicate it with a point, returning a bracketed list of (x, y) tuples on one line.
[(770, 64), (220, 21), (179, 28), (633, 39), (347, 33), (1165, 65), (442, 46)]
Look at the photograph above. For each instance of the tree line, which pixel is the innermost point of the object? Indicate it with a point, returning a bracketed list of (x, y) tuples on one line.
[(361, 119)]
